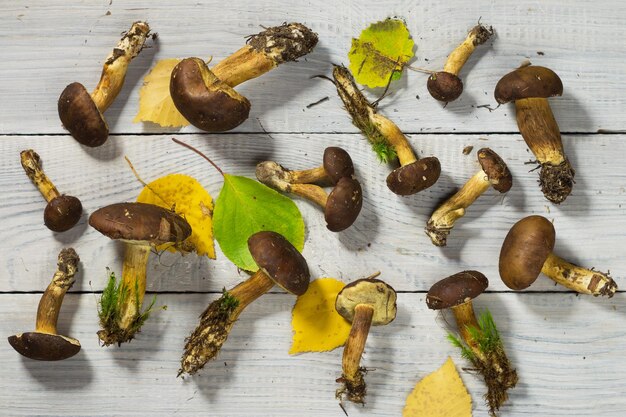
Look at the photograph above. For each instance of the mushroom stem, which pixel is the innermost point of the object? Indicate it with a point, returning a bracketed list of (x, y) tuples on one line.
[(134, 282), (395, 137), (579, 279), (52, 299), (477, 36), (352, 376), (116, 65), (277, 177), (308, 176), (32, 165), (465, 320), (541, 134), (217, 320), (311, 192), (442, 220), (245, 64)]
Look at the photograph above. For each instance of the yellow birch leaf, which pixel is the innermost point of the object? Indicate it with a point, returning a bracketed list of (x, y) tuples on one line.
[(440, 394), (155, 102), (189, 200), (317, 327)]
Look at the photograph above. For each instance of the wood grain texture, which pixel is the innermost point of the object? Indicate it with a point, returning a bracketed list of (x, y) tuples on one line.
[(388, 236), (567, 350), (47, 44)]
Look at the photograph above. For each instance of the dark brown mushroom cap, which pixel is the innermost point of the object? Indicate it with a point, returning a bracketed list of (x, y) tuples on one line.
[(368, 291), (444, 86), (81, 117), (44, 346), (414, 177), (524, 251), (455, 290), (496, 169), (280, 260), (62, 213), (140, 222), (337, 164), (343, 204), (205, 101), (528, 82)]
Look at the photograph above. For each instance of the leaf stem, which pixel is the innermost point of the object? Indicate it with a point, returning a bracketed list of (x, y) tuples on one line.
[(199, 153)]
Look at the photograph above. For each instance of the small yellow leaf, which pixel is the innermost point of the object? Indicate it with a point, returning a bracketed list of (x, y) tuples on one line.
[(440, 394), (155, 102), (317, 327), (189, 200)]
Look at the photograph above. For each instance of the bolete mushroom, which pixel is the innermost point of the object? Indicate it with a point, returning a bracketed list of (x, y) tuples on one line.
[(45, 344), (82, 113), (62, 211), (207, 98), (279, 263), (364, 303), (527, 251), (387, 139), (529, 87), (481, 343), (493, 173), (341, 207), (446, 85), (141, 227)]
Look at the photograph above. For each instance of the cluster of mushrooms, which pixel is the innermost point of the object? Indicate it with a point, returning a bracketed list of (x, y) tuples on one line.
[(207, 98)]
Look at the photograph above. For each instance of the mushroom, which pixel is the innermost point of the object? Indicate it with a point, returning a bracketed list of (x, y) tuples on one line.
[(527, 251), (482, 344), (341, 207), (141, 227), (446, 85), (279, 263), (206, 97), (45, 344), (82, 113), (529, 87), (62, 211), (365, 302), (387, 140), (493, 172)]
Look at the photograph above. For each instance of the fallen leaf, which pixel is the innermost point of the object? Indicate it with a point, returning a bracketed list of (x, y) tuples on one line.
[(191, 201), (317, 327), (439, 394), (382, 50), (245, 207), (155, 102)]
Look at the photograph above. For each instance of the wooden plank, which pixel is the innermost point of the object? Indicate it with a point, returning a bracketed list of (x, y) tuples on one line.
[(388, 236), (568, 351), (46, 45)]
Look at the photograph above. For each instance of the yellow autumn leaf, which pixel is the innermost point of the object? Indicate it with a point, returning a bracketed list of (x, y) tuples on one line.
[(317, 327), (191, 201), (440, 394), (155, 102)]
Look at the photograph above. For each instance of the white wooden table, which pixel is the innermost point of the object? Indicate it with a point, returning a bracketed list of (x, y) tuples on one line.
[(568, 349)]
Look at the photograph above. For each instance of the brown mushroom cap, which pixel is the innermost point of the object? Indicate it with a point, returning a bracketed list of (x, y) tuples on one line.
[(62, 213), (444, 86), (417, 176), (455, 290), (372, 292), (343, 204), (81, 117), (44, 346), (524, 251), (140, 222), (337, 164), (528, 82), (496, 169), (280, 260), (205, 101)]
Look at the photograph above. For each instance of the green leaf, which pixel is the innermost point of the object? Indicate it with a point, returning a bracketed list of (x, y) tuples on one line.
[(380, 53), (245, 207)]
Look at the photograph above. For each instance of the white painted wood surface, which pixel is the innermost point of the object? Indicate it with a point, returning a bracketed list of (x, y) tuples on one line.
[(568, 350)]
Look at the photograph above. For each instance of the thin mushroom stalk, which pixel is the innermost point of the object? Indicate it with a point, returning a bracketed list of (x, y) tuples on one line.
[(577, 278), (387, 140), (45, 343), (446, 85), (62, 211)]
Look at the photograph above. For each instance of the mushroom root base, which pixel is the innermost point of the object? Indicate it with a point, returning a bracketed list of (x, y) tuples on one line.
[(353, 389), (556, 181)]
